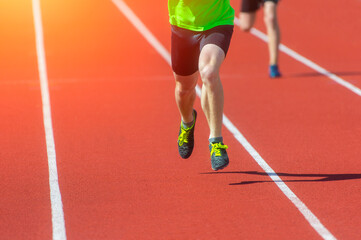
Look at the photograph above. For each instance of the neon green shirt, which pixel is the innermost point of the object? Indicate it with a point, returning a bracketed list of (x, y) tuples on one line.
[(200, 15)]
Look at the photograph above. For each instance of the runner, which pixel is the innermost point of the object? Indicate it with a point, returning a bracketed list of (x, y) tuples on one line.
[(201, 34), (247, 18)]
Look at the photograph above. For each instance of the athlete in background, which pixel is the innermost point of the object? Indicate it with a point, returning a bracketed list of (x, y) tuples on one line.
[(201, 34), (247, 18)]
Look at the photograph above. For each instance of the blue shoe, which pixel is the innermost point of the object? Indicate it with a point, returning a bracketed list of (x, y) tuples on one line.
[(273, 71)]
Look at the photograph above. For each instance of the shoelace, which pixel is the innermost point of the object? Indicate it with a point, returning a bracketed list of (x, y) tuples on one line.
[(216, 148), (183, 137)]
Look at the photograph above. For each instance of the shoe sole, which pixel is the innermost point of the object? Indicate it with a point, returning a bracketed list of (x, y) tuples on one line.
[(224, 166)]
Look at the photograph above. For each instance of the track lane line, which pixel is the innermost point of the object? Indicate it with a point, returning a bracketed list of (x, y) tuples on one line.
[(305, 61), (308, 215), (57, 213)]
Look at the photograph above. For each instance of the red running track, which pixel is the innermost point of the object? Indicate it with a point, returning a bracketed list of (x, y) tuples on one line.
[(24, 186), (115, 127)]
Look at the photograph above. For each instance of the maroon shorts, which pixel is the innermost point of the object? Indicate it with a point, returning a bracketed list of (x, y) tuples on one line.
[(253, 5), (187, 45)]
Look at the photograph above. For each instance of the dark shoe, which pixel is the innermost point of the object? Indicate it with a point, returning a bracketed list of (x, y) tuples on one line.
[(186, 138), (219, 157)]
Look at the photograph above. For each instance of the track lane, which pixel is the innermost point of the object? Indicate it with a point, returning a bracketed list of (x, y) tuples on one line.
[(25, 211), (339, 115), (312, 122), (328, 32), (92, 171), (113, 183), (309, 216), (96, 69)]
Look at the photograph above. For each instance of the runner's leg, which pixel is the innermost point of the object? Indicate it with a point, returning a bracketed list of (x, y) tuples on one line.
[(247, 15), (210, 61), (246, 20), (273, 31), (185, 95)]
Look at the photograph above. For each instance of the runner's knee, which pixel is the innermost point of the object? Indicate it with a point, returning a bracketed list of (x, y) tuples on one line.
[(245, 26), (270, 20), (185, 84), (182, 91), (209, 74), (246, 21)]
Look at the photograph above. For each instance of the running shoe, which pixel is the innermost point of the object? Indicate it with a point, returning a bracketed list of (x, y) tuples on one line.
[(219, 156), (274, 72), (186, 138)]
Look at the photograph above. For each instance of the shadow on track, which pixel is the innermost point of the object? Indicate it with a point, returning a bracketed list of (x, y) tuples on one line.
[(316, 74), (316, 177)]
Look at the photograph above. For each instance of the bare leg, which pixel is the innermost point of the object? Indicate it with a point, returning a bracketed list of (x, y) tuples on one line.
[(210, 60), (247, 20), (273, 31), (185, 95)]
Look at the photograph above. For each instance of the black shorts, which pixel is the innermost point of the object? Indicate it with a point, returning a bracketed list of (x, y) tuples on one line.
[(187, 45), (253, 5)]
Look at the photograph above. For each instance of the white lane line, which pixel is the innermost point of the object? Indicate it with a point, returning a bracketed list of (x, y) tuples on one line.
[(306, 61), (143, 29), (309, 216), (57, 213)]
